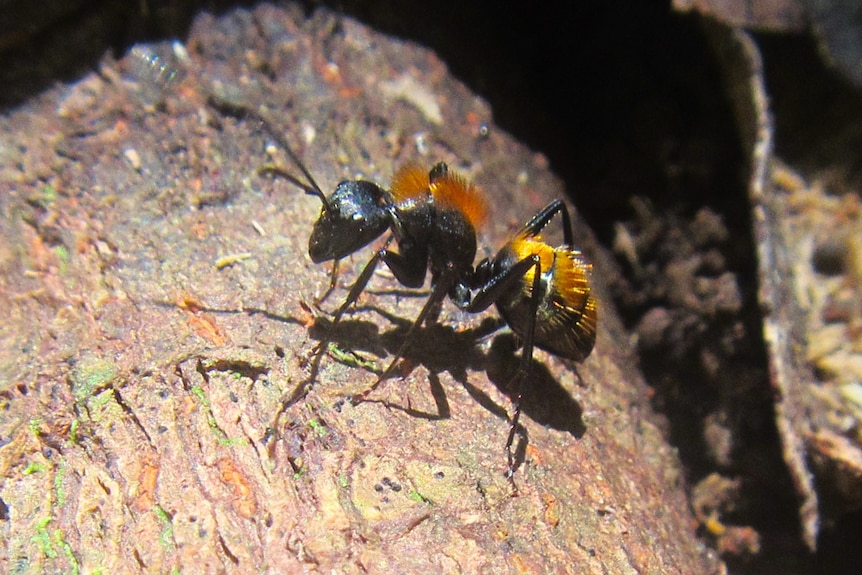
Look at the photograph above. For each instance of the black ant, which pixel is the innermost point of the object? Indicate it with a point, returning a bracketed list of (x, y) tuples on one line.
[(542, 292)]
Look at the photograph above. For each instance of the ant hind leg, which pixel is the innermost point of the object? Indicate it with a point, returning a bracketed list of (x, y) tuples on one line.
[(523, 373)]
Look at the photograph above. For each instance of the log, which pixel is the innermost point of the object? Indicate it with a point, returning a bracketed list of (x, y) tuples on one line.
[(161, 312)]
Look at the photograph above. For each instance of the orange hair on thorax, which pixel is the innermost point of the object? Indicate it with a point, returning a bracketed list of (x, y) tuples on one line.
[(451, 190), (410, 184), (454, 191)]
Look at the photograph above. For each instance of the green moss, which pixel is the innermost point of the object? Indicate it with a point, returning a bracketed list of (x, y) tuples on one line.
[(223, 439), (73, 430), (67, 551), (42, 538), (35, 425), (45, 197), (100, 405), (62, 253), (90, 375), (59, 490), (418, 497), (34, 467), (318, 427), (199, 392), (229, 441), (167, 536), (351, 358)]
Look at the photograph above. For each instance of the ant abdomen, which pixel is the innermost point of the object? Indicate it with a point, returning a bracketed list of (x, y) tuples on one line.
[(564, 317)]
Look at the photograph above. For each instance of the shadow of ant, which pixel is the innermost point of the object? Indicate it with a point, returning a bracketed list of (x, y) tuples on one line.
[(545, 400), (439, 347)]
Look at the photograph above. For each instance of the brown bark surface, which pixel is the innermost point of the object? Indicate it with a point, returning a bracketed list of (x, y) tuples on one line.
[(159, 309)]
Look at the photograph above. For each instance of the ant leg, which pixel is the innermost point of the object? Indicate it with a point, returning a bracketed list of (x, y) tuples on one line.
[(433, 301), (495, 286), (333, 280), (355, 290), (540, 220), (568, 235), (526, 361), (359, 285), (437, 296), (493, 289)]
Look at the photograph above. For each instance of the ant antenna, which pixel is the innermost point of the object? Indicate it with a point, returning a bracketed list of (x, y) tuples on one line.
[(311, 188)]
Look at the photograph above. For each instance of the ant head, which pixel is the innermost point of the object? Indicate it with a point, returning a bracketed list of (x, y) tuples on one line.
[(353, 216)]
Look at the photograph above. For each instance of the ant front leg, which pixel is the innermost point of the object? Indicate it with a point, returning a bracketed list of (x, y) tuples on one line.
[(361, 282), (409, 270), (333, 280), (355, 291)]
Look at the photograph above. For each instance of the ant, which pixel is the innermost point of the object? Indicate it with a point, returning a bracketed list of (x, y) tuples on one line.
[(542, 292)]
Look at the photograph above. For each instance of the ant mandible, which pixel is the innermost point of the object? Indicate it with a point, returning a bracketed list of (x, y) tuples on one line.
[(542, 292)]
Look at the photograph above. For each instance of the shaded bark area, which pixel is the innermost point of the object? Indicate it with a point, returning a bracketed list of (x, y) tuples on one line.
[(159, 313)]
